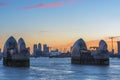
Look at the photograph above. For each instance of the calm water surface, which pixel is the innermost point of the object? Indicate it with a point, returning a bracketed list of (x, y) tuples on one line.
[(61, 69)]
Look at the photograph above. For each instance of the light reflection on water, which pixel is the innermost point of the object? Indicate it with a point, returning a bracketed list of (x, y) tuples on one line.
[(61, 69)]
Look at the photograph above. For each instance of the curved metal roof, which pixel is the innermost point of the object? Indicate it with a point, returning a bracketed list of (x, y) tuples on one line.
[(10, 44), (102, 45), (78, 45), (21, 45)]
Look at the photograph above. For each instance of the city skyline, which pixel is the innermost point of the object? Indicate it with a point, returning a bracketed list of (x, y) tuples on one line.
[(58, 23)]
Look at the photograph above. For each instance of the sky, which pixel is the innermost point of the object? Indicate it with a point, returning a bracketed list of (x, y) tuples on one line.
[(58, 22)]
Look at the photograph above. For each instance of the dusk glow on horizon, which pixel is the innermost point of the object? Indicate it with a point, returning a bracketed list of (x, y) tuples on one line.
[(58, 23)]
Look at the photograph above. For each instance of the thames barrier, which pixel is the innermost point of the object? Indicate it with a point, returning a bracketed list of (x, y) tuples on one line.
[(16, 54), (81, 55)]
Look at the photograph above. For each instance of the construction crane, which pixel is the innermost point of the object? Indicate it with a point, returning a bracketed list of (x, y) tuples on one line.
[(112, 42)]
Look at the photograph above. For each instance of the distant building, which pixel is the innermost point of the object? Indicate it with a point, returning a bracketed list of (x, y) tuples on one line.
[(118, 43), (57, 50), (37, 50), (34, 49), (45, 49), (39, 47)]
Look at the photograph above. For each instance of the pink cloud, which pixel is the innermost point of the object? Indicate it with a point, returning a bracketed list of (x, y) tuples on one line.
[(3, 4), (51, 5)]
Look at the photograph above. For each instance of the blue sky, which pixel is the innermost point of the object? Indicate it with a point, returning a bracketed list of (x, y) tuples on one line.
[(89, 19)]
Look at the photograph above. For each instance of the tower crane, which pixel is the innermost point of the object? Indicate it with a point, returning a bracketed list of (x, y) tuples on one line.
[(113, 37)]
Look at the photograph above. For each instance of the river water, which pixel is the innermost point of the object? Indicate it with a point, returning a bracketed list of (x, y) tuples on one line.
[(61, 69)]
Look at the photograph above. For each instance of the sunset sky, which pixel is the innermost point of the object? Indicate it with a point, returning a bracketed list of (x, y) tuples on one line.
[(58, 22)]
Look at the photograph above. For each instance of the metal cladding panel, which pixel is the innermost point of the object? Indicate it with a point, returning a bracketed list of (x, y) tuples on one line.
[(78, 45), (10, 45), (21, 45), (102, 45)]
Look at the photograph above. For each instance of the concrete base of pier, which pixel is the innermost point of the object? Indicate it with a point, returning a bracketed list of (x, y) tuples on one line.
[(90, 61), (16, 62)]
